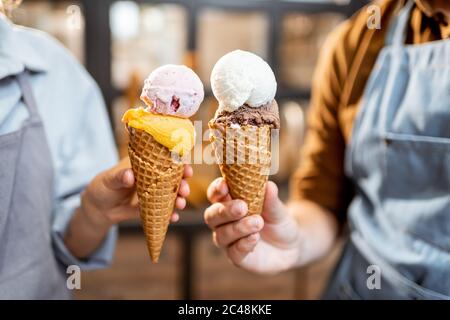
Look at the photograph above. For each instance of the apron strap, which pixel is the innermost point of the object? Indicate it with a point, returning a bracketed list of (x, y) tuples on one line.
[(398, 29), (27, 94)]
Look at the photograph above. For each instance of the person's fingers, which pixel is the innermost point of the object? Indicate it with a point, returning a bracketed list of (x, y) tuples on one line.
[(184, 189), (218, 191), (232, 232), (238, 251), (274, 209), (128, 178), (220, 213), (175, 217), (180, 203), (118, 178), (188, 171)]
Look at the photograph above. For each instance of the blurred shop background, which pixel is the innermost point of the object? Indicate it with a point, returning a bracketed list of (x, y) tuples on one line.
[(120, 43)]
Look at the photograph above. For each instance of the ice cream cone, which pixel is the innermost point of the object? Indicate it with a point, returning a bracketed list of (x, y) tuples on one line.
[(244, 158), (158, 133), (158, 178), (245, 87)]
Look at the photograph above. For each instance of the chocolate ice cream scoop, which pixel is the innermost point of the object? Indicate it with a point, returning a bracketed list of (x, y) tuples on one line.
[(246, 115)]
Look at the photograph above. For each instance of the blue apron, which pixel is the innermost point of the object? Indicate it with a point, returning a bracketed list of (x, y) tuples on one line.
[(399, 161)]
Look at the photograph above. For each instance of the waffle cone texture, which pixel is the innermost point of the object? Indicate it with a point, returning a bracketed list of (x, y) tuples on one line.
[(158, 178), (244, 158)]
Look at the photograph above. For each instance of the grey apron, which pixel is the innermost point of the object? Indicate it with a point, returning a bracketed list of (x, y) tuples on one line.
[(399, 161), (28, 267)]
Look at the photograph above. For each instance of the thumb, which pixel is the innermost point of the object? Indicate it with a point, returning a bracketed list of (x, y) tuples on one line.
[(118, 178), (274, 210)]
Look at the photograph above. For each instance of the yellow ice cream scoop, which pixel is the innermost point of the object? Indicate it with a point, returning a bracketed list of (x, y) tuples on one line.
[(177, 134)]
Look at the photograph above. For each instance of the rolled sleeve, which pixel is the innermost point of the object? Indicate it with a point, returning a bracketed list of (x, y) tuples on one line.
[(100, 258)]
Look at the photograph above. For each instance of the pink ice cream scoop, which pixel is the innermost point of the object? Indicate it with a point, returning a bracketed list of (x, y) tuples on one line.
[(173, 90)]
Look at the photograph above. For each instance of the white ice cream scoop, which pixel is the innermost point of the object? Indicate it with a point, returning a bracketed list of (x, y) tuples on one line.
[(241, 77)]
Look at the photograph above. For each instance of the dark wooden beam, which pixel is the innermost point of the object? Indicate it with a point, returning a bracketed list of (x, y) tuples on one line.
[(97, 44)]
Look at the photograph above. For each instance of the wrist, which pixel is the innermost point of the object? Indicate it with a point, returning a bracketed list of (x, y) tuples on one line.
[(316, 229), (93, 216)]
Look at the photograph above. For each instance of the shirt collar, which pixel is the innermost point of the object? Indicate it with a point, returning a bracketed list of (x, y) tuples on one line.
[(16, 54)]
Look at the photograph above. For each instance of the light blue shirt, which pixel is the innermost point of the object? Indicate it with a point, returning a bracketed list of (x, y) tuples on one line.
[(75, 120)]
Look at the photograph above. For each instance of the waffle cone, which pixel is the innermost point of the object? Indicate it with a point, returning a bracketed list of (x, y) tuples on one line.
[(158, 178), (244, 158)]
